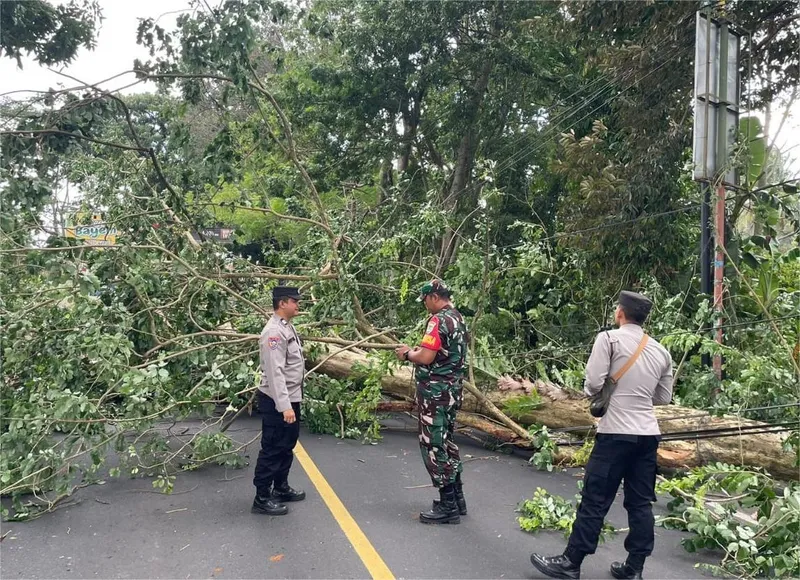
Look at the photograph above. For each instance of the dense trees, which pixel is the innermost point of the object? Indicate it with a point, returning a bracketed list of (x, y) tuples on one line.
[(533, 154)]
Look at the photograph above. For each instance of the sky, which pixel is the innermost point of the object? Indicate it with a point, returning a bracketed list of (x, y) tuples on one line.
[(116, 50)]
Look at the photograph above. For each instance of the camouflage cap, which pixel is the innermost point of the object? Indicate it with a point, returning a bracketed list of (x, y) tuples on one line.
[(431, 287)]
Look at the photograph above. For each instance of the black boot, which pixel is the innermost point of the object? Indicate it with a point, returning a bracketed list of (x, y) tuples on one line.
[(625, 571), (444, 512), (283, 492), (460, 501), (265, 504), (556, 566)]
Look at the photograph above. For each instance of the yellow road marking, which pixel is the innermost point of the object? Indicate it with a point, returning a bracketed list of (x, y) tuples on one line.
[(365, 550)]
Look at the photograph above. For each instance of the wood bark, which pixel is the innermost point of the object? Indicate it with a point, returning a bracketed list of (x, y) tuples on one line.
[(561, 409), (465, 159), (411, 117), (469, 419)]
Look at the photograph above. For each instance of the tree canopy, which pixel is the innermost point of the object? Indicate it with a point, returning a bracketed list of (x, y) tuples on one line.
[(533, 154), (50, 34)]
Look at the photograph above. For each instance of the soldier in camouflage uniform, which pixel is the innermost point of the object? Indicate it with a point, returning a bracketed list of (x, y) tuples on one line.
[(440, 359)]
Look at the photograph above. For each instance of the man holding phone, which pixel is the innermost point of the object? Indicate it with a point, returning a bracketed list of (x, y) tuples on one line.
[(439, 362)]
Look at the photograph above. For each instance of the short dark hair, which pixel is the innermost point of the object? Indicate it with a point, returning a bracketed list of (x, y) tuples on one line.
[(636, 314), (276, 302)]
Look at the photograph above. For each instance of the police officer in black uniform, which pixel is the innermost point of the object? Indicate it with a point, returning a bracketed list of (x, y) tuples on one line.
[(626, 443), (279, 396)]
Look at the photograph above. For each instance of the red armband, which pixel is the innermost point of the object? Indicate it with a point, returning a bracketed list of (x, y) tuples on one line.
[(432, 340)]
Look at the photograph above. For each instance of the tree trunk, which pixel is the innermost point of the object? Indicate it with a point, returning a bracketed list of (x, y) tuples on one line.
[(567, 409), (464, 161), (387, 180), (469, 419), (410, 126)]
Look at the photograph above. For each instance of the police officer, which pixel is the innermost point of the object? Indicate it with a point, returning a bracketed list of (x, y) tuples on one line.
[(279, 396), (440, 360), (625, 446)]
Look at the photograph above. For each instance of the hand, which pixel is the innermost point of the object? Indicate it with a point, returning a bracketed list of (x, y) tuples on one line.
[(400, 352), (288, 416)]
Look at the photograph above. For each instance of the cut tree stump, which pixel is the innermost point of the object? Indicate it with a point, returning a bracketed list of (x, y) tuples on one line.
[(563, 409)]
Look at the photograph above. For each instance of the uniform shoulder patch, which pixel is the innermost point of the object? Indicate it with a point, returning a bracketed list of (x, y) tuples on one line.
[(431, 339), (273, 342)]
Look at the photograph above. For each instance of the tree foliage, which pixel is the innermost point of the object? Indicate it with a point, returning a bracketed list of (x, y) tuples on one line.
[(744, 514), (532, 154), (50, 34)]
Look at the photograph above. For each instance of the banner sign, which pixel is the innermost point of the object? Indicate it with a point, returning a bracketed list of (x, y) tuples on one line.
[(92, 230)]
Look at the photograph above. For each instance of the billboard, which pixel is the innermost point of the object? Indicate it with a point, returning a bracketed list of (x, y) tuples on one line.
[(717, 88)]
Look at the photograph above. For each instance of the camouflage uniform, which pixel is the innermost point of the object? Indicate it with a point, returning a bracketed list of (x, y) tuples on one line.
[(439, 394)]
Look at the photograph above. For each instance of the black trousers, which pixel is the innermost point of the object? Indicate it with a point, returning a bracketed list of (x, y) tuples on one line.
[(278, 439), (616, 458)]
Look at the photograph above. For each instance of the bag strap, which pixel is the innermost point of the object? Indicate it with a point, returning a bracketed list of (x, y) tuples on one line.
[(621, 372)]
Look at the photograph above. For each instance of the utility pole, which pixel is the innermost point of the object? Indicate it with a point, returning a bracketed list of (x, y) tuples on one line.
[(715, 125), (704, 68), (706, 287), (719, 217)]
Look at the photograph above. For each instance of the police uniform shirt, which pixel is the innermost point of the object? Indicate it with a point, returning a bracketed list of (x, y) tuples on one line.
[(648, 382), (282, 364)]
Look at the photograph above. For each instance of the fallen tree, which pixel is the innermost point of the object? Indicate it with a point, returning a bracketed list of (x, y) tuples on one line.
[(562, 409)]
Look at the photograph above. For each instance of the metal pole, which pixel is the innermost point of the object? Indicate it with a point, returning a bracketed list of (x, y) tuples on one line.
[(705, 252), (705, 208), (719, 272), (722, 162), (705, 240)]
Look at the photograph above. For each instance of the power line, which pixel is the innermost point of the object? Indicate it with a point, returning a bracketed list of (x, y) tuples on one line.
[(695, 433), (554, 129), (748, 323), (699, 434), (766, 429), (613, 224), (695, 416), (553, 122), (714, 433), (584, 347), (624, 76)]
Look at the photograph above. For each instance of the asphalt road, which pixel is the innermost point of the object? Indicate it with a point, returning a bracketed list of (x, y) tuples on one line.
[(124, 529)]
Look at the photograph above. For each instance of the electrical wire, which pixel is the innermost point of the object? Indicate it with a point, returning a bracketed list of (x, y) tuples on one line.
[(613, 224), (699, 435), (552, 351), (586, 346), (704, 434), (555, 129), (676, 417), (715, 433), (732, 429), (732, 412), (553, 122)]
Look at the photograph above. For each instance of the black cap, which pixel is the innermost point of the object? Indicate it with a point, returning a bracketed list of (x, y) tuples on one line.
[(285, 292), (635, 302)]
